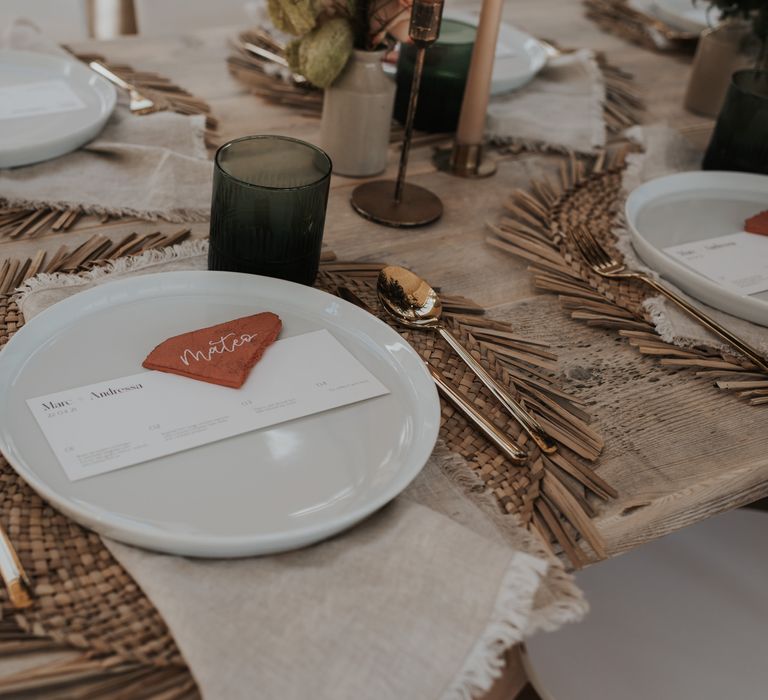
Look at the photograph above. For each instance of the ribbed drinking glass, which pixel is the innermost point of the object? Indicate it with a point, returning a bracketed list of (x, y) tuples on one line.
[(268, 208)]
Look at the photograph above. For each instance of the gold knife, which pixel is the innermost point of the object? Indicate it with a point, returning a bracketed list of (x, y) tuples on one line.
[(512, 451), (13, 574)]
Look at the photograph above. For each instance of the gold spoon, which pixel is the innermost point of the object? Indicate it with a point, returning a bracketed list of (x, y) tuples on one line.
[(414, 304), (511, 449)]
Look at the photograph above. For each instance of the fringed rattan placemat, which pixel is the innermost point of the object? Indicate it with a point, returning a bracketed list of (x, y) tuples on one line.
[(589, 193), (86, 601), (549, 493), (161, 90), (619, 17), (97, 250)]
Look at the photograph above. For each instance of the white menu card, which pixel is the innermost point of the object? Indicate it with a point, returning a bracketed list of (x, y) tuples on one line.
[(737, 261), (42, 97), (109, 425)]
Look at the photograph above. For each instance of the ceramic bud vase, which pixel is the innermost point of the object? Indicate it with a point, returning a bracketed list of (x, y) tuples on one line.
[(357, 116), (720, 53)]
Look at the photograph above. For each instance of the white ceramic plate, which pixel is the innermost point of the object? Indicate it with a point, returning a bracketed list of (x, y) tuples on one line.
[(266, 491), (696, 206), (519, 56), (684, 15), (35, 137)]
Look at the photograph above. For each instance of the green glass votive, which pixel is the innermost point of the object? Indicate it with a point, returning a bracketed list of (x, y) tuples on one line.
[(740, 138), (268, 207), (446, 65)]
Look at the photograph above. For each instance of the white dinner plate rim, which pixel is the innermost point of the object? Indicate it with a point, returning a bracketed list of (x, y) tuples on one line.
[(532, 47), (217, 546), (60, 144), (669, 13), (695, 284)]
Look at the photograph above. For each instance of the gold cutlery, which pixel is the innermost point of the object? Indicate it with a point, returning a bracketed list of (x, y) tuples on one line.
[(270, 56), (265, 54), (606, 266), (139, 103), (15, 578), (514, 452), (414, 304)]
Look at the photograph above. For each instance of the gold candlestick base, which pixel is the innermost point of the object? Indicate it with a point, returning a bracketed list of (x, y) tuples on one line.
[(376, 202), (464, 160)]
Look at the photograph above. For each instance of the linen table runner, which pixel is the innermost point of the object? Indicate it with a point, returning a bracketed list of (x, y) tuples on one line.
[(562, 106), (419, 601)]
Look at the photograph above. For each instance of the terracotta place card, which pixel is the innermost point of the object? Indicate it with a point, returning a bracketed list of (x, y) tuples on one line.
[(222, 354), (105, 426)]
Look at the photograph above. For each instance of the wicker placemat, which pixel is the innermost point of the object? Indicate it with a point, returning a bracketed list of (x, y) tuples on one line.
[(161, 90), (96, 250), (85, 600), (589, 193), (641, 28)]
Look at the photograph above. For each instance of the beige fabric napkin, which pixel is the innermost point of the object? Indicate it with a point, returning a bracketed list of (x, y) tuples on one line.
[(666, 151), (562, 107), (417, 602), (152, 166)]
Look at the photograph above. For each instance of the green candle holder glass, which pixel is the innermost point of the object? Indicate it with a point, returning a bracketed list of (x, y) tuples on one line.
[(740, 138), (446, 65)]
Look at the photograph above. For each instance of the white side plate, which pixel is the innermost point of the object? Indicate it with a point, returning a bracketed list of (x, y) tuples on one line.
[(34, 138), (519, 56), (695, 206), (266, 491), (685, 15)]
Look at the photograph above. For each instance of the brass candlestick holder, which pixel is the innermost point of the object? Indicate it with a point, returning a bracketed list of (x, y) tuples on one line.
[(398, 203), (465, 159)]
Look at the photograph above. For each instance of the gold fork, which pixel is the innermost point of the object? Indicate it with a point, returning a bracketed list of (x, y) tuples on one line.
[(139, 103), (606, 266)]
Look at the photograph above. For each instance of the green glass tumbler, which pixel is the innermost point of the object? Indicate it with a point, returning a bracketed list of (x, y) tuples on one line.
[(740, 139), (268, 207)]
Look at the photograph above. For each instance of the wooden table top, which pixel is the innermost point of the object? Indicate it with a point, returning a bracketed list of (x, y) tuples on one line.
[(677, 449)]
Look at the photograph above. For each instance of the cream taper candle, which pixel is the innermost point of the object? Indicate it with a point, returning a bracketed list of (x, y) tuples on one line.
[(475, 104)]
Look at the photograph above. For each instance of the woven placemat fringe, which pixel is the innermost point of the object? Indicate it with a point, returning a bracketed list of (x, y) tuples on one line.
[(619, 17), (548, 495), (535, 227), (123, 265)]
